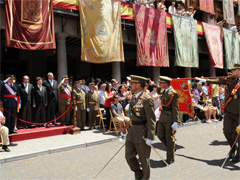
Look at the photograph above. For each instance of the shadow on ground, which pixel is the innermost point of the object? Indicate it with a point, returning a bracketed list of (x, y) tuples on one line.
[(215, 162)]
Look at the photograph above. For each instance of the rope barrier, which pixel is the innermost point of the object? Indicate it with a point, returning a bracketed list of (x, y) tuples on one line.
[(39, 123)]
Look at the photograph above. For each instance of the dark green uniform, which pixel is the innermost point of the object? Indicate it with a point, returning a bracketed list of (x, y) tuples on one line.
[(232, 110), (92, 104), (79, 95), (143, 125), (169, 115)]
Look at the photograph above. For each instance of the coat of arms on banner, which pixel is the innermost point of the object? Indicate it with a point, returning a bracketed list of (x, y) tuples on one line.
[(31, 11)]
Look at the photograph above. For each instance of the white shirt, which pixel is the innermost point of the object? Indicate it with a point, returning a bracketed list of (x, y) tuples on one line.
[(234, 28), (138, 94), (51, 82), (26, 87), (172, 10), (101, 97), (166, 90)]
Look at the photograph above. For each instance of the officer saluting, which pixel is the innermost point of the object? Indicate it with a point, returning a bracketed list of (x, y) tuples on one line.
[(143, 125), (231, 109), (167, 124)]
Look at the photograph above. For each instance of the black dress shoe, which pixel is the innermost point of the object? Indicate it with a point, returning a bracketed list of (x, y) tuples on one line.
[(47, 125), (5, 148), (232, 152), (236, 159), (13, 132)]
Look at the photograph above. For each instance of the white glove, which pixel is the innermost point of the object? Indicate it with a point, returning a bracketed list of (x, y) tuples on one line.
[(238, 129), (149, 142), (201, 80), (63, 80), (88, 109), (76, 108), (6, 80), (174, 126)]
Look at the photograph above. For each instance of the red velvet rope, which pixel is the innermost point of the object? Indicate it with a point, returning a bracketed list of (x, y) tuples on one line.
[(39, 123)]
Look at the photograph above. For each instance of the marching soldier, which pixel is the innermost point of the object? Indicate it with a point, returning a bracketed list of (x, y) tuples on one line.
[(167, 124), (10, 102), (79, 96), (92, 105), (143, 125), (231, 109), (65, 99)]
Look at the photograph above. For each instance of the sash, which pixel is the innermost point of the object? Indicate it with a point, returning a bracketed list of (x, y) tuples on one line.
[(65, 96), (234, 91), (13, 96), (66, 90), (10, 90)]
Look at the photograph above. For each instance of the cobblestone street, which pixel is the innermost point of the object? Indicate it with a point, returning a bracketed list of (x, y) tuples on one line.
[(201, 150)]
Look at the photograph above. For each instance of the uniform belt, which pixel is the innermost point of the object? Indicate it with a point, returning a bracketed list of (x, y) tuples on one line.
[(79, 101), (92, 102), (139, 122)]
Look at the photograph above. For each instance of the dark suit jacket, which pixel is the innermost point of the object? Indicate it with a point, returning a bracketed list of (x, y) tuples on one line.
[(9, 102), (25, 97), (52, 91), (40, 97)]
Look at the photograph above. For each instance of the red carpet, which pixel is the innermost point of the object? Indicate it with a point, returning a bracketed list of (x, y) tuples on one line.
[(32, 133)]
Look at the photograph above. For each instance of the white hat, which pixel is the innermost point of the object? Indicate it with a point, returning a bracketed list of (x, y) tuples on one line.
[(128, 78)]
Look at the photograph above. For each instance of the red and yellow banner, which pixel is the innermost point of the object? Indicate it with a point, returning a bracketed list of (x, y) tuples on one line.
[(29, 24), (185, 101), (67, 4), (207, 6), (213, 35), (152, 43)]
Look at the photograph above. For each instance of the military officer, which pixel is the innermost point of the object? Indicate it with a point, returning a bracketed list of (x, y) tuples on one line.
[(231, 108), (143, 125), (65, 99), (79, 96), (11, 101), (92, 104), (167, 124)]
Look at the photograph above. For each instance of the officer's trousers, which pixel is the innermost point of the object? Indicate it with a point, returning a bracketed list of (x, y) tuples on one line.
[(81, 117), (231, 121), (165, 133), (143, 151)]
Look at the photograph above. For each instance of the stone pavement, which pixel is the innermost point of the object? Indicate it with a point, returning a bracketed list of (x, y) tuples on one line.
[(48, 145), (201, 150)]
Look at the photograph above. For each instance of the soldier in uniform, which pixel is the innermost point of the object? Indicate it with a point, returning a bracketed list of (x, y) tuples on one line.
[(65, 99), (167, 124), (231, 108), (79, 96), (92, 104), (11, 101), (143, 125)]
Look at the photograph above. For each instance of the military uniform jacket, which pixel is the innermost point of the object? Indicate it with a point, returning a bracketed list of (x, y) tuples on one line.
[(92, 100), (63, 100), (80, 97), (234, 105), (142, 111), (9, 101), (169, 113)]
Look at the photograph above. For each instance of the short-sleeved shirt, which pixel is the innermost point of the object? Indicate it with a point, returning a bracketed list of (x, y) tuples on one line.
[(118, 108), (215, 88)]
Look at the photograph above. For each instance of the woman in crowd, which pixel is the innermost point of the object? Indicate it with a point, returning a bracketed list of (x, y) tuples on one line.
[(210, 111), (155, 96), (195, 96), (109, 93), (190, 13), (180, 10), (161, 6), (122, 98)]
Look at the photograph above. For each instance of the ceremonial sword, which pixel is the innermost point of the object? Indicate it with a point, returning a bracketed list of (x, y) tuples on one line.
[(229, 151)]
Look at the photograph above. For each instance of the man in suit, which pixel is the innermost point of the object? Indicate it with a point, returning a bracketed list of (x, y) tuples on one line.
[(52, 94), (231, 109), (26, 92), (79, 96), (167, 124), (143, 125), (92, 104), (11, 102), (65, 99), (40, 101)]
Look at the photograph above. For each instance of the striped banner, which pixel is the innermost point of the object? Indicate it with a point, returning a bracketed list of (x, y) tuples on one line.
[(126, 12)]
